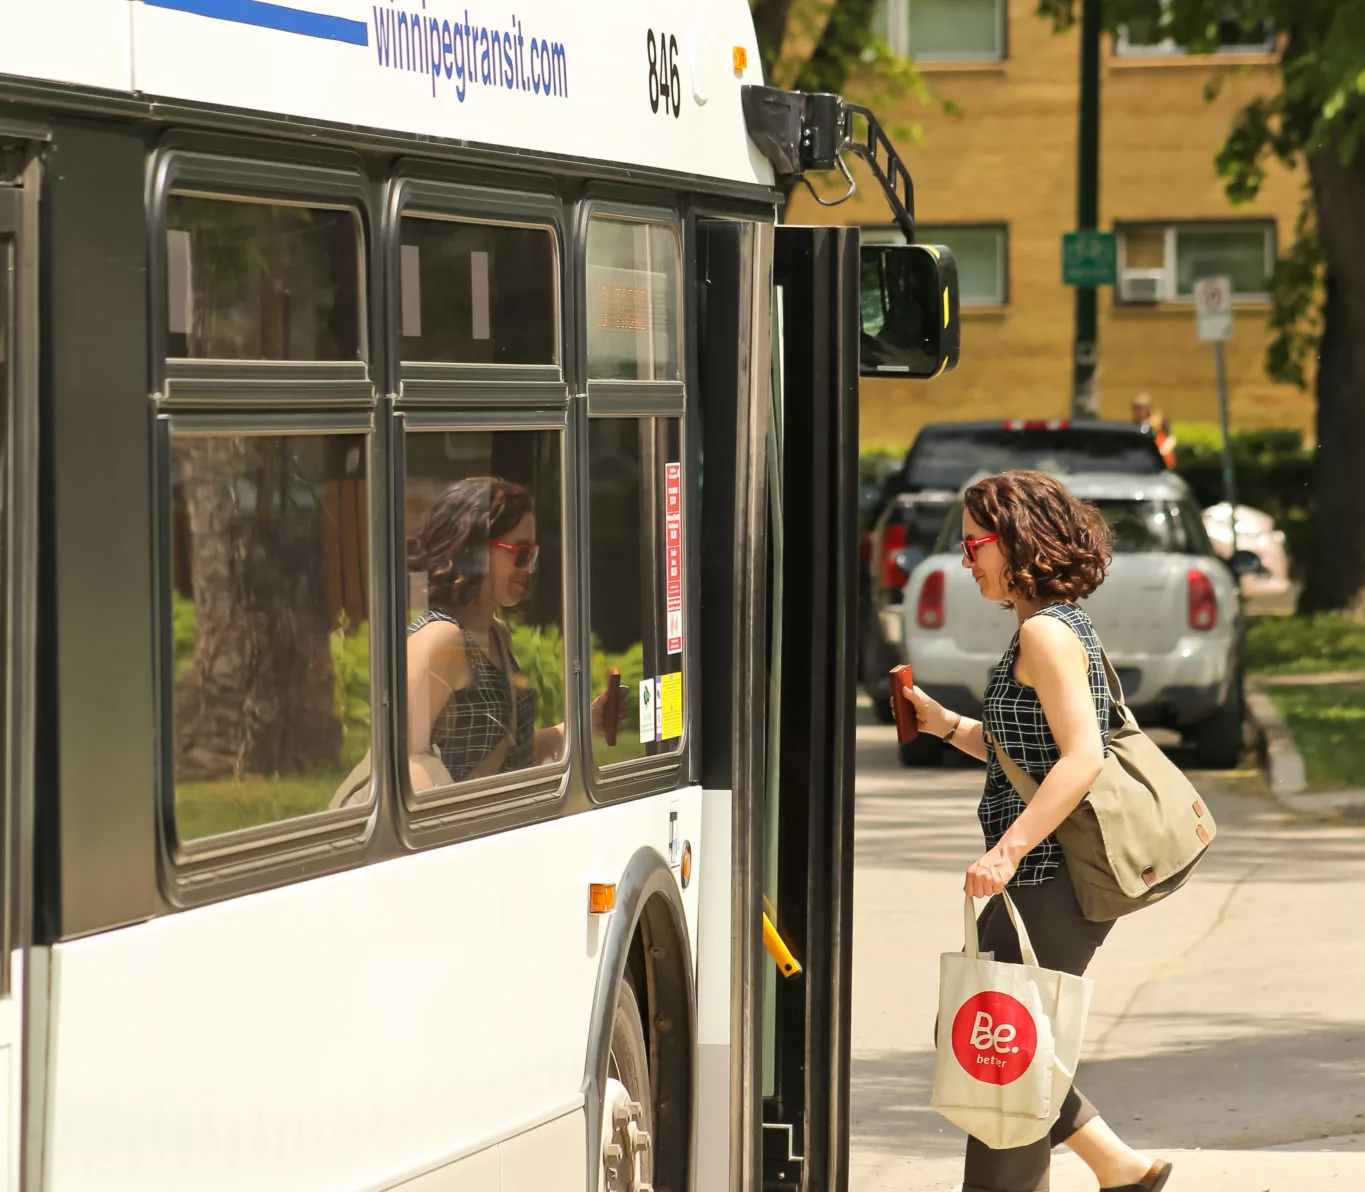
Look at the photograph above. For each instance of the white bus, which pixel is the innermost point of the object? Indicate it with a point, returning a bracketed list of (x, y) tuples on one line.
[(428, 574)]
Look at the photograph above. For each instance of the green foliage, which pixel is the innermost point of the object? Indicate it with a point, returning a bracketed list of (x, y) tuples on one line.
[(1328, 727), (183, 633), (1274, 474), (1318, 644), (351, 689), (876, 461)]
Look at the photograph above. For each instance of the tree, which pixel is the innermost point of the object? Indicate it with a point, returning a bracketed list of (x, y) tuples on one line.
[(828, 45), (1316, 120)]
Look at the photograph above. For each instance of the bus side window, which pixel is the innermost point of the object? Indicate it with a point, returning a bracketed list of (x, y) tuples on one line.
[(633, 467), (270, 606), (261, 281), (486, 685), (477, 293), (635, 485)]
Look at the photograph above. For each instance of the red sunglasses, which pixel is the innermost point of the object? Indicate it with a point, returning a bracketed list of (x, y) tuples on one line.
[(524, 554), (970, 545)]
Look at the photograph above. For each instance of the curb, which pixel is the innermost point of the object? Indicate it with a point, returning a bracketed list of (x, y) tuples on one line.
[(1282, 760), (1284, 764)]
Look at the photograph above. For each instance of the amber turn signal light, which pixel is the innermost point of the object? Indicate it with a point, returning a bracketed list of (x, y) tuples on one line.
[(601, 898)]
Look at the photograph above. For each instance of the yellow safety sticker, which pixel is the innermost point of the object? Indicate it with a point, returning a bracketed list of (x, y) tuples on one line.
[(671, 706)]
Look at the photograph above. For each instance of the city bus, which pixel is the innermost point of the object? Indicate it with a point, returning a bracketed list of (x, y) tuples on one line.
[(428, 569)]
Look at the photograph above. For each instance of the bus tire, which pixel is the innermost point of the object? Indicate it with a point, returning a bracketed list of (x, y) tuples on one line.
[(630, 1121)]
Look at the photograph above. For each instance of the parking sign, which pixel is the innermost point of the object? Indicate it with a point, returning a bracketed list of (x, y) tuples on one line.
[(1213, 309)]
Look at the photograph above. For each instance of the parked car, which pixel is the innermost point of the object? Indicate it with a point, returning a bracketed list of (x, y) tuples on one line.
[(916, 497), (1169, 613), (1256, 533)]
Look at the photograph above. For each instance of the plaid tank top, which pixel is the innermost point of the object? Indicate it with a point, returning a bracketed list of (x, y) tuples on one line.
[(1014, 717)]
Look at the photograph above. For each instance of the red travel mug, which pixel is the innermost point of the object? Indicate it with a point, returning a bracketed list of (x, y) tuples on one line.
[(907, 723), (611, 708)]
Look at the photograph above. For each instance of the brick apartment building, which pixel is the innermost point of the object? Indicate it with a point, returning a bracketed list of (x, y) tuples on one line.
[(998, 185)]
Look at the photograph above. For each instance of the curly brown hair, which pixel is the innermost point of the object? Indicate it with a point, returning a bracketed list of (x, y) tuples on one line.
[(451, 543), (1056, 547)]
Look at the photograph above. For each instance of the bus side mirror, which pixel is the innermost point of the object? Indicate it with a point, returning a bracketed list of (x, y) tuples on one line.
[(910, 320)]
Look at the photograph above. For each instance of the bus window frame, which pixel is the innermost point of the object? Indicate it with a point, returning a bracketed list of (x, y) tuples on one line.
[(635, 399), (263, 397), (214, 867), (454, 397), (448, 382), (428, 815), (231, 177), (19, 222)]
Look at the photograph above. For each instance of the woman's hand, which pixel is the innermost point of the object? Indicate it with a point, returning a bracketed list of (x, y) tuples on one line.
[(932, 716), (599, 711), (990, 874)]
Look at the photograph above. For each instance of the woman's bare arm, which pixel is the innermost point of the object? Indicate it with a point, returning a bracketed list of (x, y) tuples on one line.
[(1053, 661), (438, 666)]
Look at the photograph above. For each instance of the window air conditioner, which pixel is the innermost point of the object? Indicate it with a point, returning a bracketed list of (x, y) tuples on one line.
[(1141, 285)]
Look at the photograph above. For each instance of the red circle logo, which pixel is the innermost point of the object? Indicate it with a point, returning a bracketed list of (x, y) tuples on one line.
[(994, 1037)]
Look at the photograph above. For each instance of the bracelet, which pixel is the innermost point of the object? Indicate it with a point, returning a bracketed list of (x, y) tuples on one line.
[(957, 724)]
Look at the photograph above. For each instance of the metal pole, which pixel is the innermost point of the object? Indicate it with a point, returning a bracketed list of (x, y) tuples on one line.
[(1229, 472), (1085, 398)]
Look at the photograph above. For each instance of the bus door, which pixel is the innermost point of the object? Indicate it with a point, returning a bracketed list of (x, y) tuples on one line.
[(18, 562), (808, 817), (778, 389)]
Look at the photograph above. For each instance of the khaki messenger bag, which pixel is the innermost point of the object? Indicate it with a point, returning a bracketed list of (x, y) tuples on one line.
[(1141, 830)]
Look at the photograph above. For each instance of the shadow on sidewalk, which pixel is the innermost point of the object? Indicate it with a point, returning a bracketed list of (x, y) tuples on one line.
[(1287, 1080)]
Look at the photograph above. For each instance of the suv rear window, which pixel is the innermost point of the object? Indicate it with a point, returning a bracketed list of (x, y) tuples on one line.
[(1164, 526), (947, 459), (1169, 527)]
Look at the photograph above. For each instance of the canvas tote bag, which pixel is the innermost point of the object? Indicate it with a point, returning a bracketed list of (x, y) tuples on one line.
[(1139, 833), (1009, 1038)]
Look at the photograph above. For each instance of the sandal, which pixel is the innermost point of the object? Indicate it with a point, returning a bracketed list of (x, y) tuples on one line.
[(1153, 1181)]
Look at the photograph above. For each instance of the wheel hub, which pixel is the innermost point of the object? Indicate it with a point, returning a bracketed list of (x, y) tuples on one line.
[(625, 1142)]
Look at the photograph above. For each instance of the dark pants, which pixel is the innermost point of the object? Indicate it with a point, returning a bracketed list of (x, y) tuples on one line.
[(1064, 939)]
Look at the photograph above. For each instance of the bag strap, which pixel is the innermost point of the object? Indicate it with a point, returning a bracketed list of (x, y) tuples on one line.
[(1024, 786), (973, 942)]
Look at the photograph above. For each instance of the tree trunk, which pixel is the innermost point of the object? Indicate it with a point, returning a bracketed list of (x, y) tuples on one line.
[(1336, 564), (259, 696)]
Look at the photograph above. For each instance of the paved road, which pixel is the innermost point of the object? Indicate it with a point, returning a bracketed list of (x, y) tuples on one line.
[(1228, 1022)]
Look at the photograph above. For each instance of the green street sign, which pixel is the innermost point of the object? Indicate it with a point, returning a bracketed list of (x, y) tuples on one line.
[(1089, 258)]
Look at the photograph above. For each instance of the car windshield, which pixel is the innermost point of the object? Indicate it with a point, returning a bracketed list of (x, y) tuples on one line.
[(1139, 526), (947, 460)]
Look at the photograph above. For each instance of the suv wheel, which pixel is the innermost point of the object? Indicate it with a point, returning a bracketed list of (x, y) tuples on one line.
[(924, 750), (1217, 741)]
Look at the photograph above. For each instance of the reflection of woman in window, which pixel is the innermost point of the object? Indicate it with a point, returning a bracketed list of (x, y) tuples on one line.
[(469, 705)]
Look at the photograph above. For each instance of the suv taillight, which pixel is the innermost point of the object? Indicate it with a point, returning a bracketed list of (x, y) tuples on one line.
[(893, 542), (1203, 603), (929, 614)]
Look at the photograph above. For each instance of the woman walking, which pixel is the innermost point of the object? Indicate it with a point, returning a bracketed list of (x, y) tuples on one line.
[(1034, 547)]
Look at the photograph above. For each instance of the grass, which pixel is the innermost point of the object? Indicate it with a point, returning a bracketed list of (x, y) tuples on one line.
[(1305, 645), (1328, 724), (211, 808)]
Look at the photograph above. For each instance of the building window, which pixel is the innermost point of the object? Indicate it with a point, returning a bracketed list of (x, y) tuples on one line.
[(981, 253), (1142, 37), (945, 30), (1161, 262)]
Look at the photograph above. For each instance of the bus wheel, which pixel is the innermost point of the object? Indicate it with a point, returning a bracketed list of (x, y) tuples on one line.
[(628, 1108)]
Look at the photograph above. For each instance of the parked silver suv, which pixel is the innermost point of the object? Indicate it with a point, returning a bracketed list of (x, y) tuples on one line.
[(1169, 613)]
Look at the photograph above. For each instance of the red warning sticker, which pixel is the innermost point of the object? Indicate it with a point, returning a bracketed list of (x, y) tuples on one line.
[(673, 547)]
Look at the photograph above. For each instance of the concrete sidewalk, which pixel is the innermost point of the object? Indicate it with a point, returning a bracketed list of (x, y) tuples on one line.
[(1228, 1027)]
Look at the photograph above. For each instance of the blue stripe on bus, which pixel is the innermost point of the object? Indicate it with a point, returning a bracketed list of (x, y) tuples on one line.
[(273, 16)]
